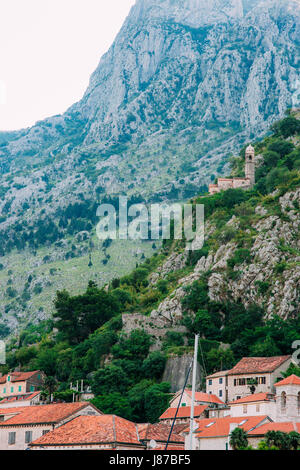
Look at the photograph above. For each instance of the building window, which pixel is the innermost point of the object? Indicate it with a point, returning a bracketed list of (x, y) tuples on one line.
[(261, 380), (220, 393), (20, 388), (283, 401), (45, 431), (183, 404), (12, 389), (4, 390), (238, 382), (8, 378), (210, 382), (11, 438), (28, 437), (221, 381), (32, 388)]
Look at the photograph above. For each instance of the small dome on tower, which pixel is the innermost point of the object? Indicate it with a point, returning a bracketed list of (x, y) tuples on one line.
[(250, 149)]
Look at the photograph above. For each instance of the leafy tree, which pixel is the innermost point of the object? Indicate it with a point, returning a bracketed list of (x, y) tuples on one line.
[(77, 317), (294, 440), (25, 355), (173, 338), (114, 403), (50, 385), (109, 380), (292, 370), (220, 359), (133, 347), (287, 127), (46, 361), (157, 399), (238, 439), (154, 365), (267, 348), (278, 439)]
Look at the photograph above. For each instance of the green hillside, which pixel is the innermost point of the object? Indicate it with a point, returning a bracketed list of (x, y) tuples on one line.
[(240, 291)]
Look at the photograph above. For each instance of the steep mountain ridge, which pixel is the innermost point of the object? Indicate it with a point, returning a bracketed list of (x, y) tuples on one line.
[(183, 87)]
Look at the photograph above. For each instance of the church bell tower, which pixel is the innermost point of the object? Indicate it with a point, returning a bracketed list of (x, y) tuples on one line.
[(250, 164)]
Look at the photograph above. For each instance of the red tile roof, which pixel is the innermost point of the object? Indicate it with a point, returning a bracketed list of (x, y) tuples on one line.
[(18, 376), (39, 414), (252, 365), (20, 397), (158, 432), (253, 398), (221, 426), (291, 380), (103, 429), (170, 447), (183, 412), (283, 427), (221, 373), (205, 397), (12, 410)]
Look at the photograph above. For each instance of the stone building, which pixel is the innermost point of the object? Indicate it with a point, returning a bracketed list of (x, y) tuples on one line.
[(233, 183), (22, 425), (21, 382), (258, 372), (288, 399), (108, 432)]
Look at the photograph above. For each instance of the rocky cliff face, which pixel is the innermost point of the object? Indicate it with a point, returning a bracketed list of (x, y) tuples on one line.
[(183, 86), (271, 279), (183, 64)]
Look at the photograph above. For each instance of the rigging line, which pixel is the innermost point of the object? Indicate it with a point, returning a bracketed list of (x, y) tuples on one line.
[(183, 390), (205, 371)]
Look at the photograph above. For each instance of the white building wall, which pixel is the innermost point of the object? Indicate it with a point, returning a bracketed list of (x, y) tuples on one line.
[(254, 409)]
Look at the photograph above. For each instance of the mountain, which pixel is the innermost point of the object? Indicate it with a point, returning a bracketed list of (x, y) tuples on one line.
[(185, 84), (240, 292)]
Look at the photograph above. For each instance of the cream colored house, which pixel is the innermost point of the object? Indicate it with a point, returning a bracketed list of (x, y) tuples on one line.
[(254, 405), (25, 399), (214, 434), (256, 414), (201, 398), (20, 426), (258, 372), (217, 385)]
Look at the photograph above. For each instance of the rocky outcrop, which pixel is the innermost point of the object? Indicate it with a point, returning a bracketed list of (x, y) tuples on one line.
[(275, 263), (156, 327), (176, 370), (184, 85)]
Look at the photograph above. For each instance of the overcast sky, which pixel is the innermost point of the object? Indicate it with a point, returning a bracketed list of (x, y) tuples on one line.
[(48, 50)]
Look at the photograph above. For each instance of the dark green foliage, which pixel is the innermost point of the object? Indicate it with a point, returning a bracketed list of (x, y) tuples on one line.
[(133, 347), (109, 380), (77, 317), (114, 403), (240, 256), (287, 127), (154, 365), (238, 439), (173, 338)]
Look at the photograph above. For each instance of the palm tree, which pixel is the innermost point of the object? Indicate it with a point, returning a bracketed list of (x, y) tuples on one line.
[(279, 439), (238, 439), (50, 385), (294, 440)]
